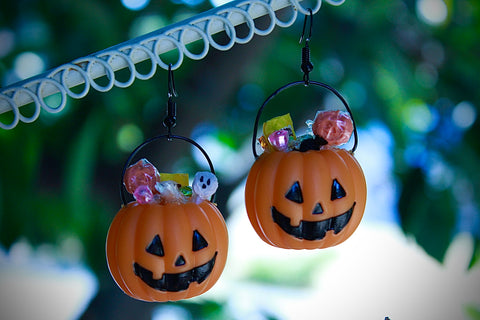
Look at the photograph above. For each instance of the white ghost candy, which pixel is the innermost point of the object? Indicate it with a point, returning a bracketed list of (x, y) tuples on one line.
[(204, 186), (168, 192)]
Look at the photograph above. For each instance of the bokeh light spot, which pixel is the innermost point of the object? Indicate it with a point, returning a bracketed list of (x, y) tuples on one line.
[(426, 75), (190, 3), (417, 116), (432, 12), (217, 3), (439, 175), (7, 39), (28, 64), (145, 24), (332, 70), (128, 137), (231, 163), (135, 4), (464, 115), (386, 85), (355, 94)]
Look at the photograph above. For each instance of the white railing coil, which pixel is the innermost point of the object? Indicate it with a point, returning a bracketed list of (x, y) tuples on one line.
[(86, 70)]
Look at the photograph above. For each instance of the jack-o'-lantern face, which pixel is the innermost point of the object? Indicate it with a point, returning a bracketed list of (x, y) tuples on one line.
[(167, 252), (176, 280), (313, 229), (305, 200)]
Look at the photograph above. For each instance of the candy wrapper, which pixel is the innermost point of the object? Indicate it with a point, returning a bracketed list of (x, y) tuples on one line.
[(277, 133), (328, 129), (148, 186), (142, 173), (335, 127), (281, 122), (169, 192)]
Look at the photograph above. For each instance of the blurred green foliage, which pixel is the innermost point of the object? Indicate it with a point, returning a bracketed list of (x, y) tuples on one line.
[(59, 175), (473, 313), (299, 274)]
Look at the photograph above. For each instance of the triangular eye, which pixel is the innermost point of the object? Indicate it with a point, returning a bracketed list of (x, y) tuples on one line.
[(337, 191), (295, 193), (155, 247), (199, 242)]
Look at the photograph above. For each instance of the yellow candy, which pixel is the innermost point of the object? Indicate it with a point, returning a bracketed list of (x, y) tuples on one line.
[(180, 178), (277, 123)]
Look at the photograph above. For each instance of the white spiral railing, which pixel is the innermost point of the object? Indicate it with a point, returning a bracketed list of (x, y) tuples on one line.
[(86, 70)]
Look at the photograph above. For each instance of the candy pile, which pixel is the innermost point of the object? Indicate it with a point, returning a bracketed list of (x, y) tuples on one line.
[(147, 185), (329, 129)]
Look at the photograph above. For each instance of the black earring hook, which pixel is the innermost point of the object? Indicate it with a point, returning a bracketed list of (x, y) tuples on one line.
[(171, 118), (172, 92), (307, 65), (305, 25)]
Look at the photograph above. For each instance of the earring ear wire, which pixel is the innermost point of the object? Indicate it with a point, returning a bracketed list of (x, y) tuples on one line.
[(307, 65), (304, 26), (170, 120)]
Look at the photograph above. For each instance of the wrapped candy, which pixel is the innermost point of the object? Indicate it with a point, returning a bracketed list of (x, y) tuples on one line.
[(182, 182), (169, 192), (277, 123), (279, 139), (335, 127), (142, 173), (186, 190), (204, 186), (263, 142), (143, 195), (180, 178), (328, 129), (276, 133), (149, 186)]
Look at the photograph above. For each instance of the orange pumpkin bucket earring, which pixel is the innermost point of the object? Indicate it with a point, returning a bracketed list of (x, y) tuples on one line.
[(171, 242), (305, 192)]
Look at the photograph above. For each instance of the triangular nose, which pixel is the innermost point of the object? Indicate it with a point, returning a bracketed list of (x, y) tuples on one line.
[(318, 209), (180, 261)]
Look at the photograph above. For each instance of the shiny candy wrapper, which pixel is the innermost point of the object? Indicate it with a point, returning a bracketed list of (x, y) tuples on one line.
[(143, 195), (335, 127), (279, 139), (142, 173), (169, 192)]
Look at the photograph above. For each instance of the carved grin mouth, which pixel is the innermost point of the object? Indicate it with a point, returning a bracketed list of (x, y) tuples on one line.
[(174, 282), (312, 230)]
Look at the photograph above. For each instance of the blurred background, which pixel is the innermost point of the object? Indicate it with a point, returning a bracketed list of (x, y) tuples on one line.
[(409, 70)]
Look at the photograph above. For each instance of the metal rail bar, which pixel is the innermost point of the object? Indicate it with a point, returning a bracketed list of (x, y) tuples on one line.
[(86, 70)]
